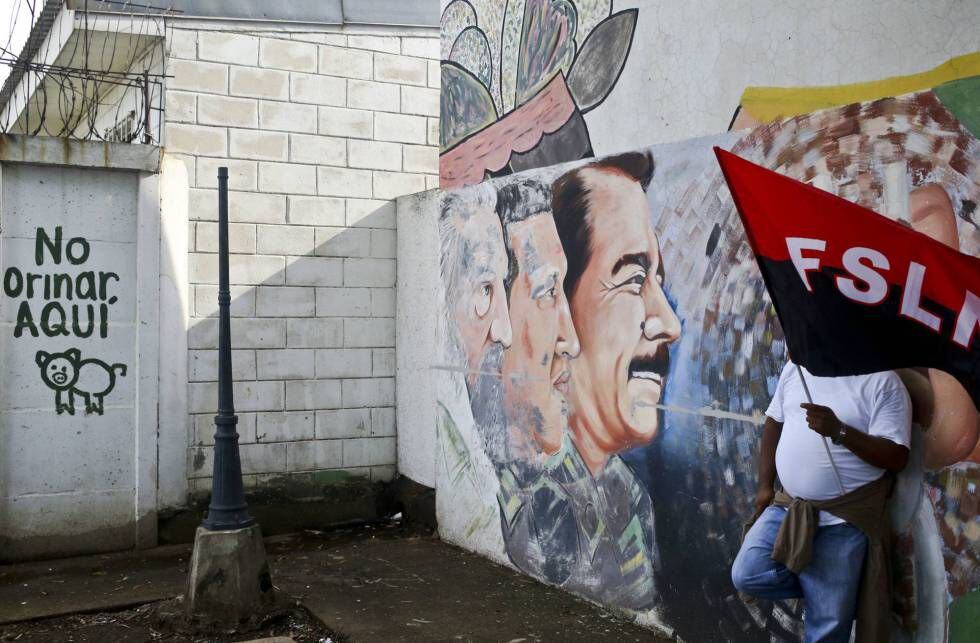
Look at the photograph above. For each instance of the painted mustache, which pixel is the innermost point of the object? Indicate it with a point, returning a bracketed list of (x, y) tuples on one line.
[(651, 367)]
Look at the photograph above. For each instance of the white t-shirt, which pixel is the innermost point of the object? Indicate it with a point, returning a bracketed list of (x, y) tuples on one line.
[(876, 404)]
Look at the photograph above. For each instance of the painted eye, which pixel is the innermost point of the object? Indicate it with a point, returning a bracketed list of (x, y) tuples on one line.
[(484, 298), (548, 298), (634, 283)]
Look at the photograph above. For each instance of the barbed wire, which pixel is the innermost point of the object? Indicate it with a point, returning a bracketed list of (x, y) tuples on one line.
[(104, 81)]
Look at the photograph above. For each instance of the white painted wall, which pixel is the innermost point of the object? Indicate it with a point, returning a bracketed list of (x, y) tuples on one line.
[(174, 312), (85, 480), (690, 61), (416, 342)]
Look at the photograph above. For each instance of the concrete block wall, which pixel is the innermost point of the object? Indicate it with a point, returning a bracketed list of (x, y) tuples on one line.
[(320, 131)]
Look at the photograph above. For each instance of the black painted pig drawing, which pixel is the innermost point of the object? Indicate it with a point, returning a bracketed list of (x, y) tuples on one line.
[(68, 375)]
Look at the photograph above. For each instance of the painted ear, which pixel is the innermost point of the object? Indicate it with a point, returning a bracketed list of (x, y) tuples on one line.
[(73, 354), (41, 357)]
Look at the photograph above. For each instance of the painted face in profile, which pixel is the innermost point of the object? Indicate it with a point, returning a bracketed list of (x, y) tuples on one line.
[(623, 318), (939, 401), (536, 368), (479, 304)]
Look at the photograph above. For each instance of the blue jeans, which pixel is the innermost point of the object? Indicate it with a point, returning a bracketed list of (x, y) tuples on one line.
[(828, 585)]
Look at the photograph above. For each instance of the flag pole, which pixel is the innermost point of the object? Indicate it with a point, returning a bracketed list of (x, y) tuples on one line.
[(806, 389)]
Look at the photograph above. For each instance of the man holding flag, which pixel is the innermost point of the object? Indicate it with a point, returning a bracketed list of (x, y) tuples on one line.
[(869, 424), (857, 295)]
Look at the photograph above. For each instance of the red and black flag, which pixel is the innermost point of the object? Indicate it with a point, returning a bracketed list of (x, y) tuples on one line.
[(855, 291)]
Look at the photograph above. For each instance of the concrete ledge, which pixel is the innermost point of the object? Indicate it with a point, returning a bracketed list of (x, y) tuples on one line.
[(49, 150), (288, 505), (331, 12), (294, 503)]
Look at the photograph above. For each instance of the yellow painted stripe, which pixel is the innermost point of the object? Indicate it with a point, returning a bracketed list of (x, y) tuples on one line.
[(772, 103), (634, 563)]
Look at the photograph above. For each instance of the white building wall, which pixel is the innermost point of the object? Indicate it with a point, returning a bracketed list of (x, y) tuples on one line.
[(689, 62), (319, 132)]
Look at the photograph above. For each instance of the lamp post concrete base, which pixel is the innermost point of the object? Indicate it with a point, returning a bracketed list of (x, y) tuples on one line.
[(229, 580)]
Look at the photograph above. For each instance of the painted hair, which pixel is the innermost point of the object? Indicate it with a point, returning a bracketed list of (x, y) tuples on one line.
[(519, 201), (570, 204), (455, 210)]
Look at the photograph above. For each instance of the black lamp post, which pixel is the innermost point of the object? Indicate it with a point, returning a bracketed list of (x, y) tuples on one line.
[(229, 580), (228, 509)]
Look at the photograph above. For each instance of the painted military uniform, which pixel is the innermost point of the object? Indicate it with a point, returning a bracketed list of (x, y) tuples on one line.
[(539, 526), (616, 530), (592, 536), (469, 476)]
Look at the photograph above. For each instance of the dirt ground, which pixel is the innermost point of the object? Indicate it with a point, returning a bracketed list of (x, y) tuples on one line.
[(143, 624), (363, 584)]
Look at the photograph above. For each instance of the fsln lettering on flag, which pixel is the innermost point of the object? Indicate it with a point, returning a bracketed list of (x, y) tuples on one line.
[(854, 291)]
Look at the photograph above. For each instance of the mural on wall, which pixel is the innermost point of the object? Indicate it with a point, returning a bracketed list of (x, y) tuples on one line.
[(517, 75), (610, 349), (70, 302)]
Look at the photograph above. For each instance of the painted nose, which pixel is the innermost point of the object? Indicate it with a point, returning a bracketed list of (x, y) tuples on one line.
[(567, 343), (661, 322), (500, 329)]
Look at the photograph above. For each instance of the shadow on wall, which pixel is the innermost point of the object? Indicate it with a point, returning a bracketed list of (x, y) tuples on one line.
[(313, 335)]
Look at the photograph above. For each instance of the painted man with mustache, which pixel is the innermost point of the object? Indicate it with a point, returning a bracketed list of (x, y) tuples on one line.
[(625, 324)]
